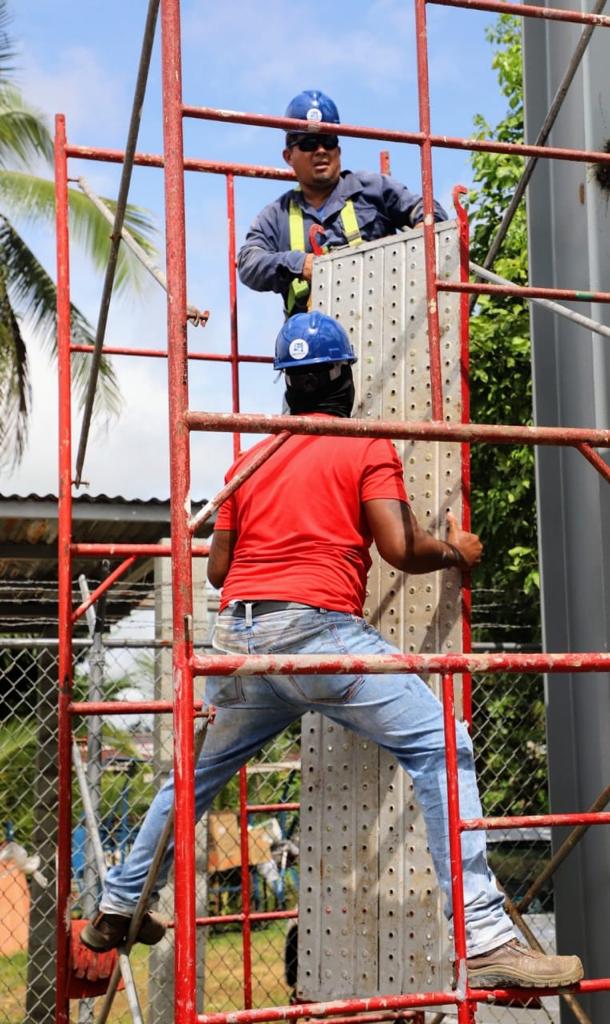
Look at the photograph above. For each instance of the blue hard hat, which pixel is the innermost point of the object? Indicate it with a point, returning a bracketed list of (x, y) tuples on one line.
[(313, 106), (307, 339)]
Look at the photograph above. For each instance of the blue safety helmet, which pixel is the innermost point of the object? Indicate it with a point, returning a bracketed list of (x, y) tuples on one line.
[(313, 106), (307, 339)]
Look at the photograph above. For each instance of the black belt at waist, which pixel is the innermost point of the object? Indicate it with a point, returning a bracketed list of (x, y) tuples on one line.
[(240, 608)]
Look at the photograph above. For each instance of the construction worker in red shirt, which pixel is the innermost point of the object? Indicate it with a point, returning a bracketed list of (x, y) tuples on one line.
[(291, 554), (342, 207)]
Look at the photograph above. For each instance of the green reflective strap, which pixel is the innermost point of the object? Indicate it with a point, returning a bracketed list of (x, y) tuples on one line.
[(350, 224), (299, 289)]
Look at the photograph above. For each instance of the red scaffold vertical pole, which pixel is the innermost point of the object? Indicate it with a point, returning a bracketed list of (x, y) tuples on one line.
[(464, 249), (434, 332), (64, 824), (182, 584), (233, 305), (455, 846)]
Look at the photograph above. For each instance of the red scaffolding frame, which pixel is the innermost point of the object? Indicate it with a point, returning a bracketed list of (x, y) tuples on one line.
[(186, 665)]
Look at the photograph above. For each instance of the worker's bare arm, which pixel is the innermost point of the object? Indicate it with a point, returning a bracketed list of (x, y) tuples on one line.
[(403, 544), (221, 553)]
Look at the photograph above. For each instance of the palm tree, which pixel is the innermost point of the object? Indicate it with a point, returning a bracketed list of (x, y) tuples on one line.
[(27, 291)]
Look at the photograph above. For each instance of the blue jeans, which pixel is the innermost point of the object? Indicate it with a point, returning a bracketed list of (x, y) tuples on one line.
[(399, 712)]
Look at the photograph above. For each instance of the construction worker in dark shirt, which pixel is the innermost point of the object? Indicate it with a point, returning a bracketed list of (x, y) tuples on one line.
[(291, 553), (328, 208)]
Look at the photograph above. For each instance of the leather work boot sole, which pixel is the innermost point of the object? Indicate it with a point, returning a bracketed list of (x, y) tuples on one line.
[(514, 965), (107, 931)]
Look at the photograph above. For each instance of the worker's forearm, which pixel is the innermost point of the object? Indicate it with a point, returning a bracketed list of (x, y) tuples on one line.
[(268, 271), (428, 554)]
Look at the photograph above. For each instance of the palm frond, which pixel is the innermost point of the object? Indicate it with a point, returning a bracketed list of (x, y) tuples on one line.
[(7, 49), (33, 198), (24, 132), (15, 391), (33, 292)]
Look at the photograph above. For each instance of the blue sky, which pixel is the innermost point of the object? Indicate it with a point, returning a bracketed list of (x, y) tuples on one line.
[(244, 55)]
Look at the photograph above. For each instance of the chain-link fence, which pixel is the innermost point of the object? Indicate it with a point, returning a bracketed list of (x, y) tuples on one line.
[(132, 755)]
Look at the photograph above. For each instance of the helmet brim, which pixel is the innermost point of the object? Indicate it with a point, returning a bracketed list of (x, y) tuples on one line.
[(293, 364)]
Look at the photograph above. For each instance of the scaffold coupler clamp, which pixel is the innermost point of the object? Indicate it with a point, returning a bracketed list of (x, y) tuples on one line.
[(198, 317)]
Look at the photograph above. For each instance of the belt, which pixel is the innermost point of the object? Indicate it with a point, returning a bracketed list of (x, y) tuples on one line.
[(245, 609)]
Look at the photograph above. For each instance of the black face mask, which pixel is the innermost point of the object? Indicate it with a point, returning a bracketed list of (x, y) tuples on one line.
[(312, 389)]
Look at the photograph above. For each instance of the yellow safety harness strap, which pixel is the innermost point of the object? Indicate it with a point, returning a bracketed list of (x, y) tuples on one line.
[(299, 288), (350, 224)]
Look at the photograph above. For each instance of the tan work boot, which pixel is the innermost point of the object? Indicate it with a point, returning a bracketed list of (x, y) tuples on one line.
[(514, 965)]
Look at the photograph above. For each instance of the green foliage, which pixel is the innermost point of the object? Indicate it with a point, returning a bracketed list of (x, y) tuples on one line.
[(510, 752), (509, 713), (17, 771), (502, 475)]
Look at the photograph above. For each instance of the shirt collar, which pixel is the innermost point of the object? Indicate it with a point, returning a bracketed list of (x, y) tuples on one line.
[(347, 186)]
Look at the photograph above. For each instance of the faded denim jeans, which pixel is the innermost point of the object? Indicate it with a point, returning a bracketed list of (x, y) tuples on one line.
[(399, 712)]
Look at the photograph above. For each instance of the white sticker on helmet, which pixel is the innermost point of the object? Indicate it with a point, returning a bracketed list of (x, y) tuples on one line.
[(314, 114), (298, 348)]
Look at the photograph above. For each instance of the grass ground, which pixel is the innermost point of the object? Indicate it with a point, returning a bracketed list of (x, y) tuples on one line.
[(223, 985)]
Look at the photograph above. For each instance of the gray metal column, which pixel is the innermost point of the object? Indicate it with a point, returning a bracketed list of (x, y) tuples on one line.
[(569, 246)]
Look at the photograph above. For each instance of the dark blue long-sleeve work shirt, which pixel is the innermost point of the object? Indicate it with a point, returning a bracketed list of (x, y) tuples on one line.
[(382, 205)]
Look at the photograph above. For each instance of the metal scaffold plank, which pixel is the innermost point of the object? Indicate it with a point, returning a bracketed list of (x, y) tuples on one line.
[(379, 914)]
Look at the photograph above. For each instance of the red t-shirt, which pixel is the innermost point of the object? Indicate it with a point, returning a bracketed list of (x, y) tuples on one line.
[(301, 530)]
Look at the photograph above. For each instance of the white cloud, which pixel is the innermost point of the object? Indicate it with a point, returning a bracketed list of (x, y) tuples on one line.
[(74, 81), (315, 47)]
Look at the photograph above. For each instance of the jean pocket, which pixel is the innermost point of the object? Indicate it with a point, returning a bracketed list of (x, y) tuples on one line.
[(224, 691), (327, 688)]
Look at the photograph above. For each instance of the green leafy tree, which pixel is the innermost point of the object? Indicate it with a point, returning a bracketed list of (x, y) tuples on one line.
[(509, 711), (27, 291), (503, 475)]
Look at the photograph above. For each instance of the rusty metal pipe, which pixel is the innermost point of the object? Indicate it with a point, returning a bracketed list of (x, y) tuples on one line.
[(258, 423)]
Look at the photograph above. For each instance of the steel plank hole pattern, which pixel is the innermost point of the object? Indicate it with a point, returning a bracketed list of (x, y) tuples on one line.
[(370, 914)]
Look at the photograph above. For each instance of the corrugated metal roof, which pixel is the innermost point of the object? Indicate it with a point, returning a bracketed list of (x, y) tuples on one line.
[(28, 551)]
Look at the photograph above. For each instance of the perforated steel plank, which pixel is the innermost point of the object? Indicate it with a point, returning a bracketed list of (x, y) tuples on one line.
[(377, 912)]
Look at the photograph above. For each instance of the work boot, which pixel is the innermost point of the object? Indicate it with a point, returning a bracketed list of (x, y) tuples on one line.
[(107, 931), (514, 965)]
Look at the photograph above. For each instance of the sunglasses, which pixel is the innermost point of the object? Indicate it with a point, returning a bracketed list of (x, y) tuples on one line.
[(309, 143)]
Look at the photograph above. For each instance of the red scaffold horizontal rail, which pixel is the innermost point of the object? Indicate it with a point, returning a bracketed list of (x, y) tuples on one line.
[(264, 808), (524, 291), (258, 423), (377, 1018), (528, 11), (161, 353), (385, 664), (261, 915), (124, 707), (535, 821), (123, 550), (392, 135), (334, 1008), (344, 1006), (491, 995), (116, 156)]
